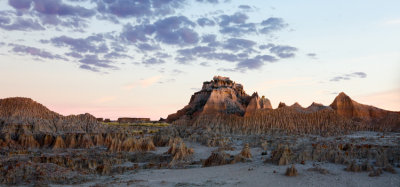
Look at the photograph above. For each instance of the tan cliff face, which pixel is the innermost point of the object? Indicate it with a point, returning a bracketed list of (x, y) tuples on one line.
[(257, 103), (221, 96)]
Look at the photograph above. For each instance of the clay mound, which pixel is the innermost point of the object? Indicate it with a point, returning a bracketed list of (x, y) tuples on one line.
[(179, 151), (217, 159), (291, 171), (246, 151), (25, 116), (146, 144), (25, 108), (282, 155), (346, 107)]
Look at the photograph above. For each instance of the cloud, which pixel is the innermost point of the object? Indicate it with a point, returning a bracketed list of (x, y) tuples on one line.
[(114, 55), (312, 55), (272, 24), (74, 54), (237, 18), (235, 25), (283, 51), (137, 8), (149, 27), (144, 83), (137, 33), (210, 39), (205, 22), (20, 4), (236, 44), (90, 68), (245, 7), (9, 22), (153, 61), (349, 76), (57, 7), (33, 51), (208, 1), (147, 47), (255, 63), (93, 60), (93, 44), (174, 30)]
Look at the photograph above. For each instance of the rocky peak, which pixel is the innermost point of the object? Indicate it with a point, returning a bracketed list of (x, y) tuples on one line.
[(256, 103), (316, 107), (281, 105), (222, 82), (346, 107), (221, 95), (296, 105)]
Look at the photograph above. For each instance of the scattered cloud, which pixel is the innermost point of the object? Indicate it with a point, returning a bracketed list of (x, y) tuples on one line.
[(272, 24), (312, 55), (349, 76), (149, 28), (93, 44), (93, 62), (36, 52), (283, 51)]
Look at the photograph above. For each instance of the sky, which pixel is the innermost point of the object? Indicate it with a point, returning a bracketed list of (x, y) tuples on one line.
[(145, 58)]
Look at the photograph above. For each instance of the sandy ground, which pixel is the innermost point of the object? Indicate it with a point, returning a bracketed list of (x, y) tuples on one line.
[(255, 173)]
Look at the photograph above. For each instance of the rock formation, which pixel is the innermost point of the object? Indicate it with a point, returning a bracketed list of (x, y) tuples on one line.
[(257, 103), (220, 96), (346, 107), (23, 115), (291, 171), (224, 107), (59, 143), (246, 152), (218, 158)]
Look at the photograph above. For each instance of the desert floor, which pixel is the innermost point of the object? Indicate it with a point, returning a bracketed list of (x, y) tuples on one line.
[(255, 173)]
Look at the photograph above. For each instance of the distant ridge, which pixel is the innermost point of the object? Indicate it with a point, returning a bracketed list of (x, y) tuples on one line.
[(25, 114), (229, 104)]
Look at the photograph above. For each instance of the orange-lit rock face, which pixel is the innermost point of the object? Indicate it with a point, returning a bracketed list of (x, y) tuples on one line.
[(257, 103), (223, 100), (346, 107), (221, 96), (343, 105)]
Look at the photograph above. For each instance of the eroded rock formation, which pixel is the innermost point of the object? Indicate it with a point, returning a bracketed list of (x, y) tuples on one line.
[(221, 96), (223, 106)]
